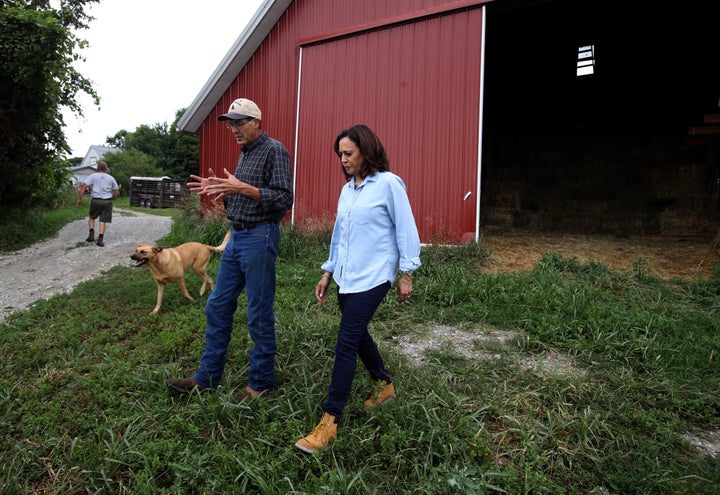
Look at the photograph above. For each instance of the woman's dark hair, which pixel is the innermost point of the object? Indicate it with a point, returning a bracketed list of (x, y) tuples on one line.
[(369, 145)]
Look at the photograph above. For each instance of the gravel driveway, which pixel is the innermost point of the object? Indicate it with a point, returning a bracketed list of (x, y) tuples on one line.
[(57, 265)]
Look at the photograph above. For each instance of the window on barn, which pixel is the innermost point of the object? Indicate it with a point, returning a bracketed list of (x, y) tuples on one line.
[(586, 60)]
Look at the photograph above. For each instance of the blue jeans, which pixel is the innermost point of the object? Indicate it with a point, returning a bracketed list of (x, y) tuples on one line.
[(248, 262), (355, 341)]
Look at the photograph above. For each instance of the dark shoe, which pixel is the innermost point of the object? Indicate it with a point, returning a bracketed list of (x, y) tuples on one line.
[(247, 393), (185, 385), (90, 238), (100, 242)]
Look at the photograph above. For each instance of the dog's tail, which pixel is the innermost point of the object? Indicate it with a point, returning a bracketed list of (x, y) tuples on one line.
[(221, 247)]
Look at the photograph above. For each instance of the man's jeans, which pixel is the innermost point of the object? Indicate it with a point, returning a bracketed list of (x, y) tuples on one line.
[(248, 262), (355, 341)]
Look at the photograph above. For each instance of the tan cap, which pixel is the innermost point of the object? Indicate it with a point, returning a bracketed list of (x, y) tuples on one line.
[(242, 108)]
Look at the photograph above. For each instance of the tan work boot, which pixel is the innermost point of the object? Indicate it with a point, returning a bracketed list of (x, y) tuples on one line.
[(384, 392), (322, 436)]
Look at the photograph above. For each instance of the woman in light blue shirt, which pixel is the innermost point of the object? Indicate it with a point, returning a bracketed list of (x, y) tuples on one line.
[(374, 236)]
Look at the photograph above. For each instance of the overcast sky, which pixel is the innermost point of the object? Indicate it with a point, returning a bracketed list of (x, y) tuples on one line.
[(149, 58)]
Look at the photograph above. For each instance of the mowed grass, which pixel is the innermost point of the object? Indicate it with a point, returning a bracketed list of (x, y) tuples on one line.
[(84, 407)]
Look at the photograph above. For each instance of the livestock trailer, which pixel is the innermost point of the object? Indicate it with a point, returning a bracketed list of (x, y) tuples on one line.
[(157, 192)]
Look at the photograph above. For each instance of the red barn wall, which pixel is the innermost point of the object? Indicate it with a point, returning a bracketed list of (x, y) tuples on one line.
[(428, 122)]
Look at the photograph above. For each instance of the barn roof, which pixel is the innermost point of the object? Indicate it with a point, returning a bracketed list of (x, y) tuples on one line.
[(265, 18)]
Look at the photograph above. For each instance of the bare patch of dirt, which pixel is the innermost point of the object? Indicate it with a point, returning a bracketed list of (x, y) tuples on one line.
[(461, 342), (664, 257), (705, 442), (476, 344), (479, 344)]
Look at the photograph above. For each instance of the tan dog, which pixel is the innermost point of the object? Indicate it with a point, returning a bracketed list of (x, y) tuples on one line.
[(170, 264)]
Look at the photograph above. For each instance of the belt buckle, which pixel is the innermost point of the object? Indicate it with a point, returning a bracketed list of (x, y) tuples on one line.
[(238, 225)]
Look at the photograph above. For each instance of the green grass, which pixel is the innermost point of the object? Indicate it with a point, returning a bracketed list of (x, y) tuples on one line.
[(84, 407), (20, 228)]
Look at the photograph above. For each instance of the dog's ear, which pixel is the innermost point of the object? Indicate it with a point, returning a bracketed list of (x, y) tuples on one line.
[(157, 249)]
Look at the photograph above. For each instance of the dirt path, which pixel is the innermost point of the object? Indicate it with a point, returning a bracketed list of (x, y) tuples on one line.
[(57, 265)]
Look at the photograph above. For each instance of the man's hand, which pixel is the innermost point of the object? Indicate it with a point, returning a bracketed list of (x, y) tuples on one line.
[(219, 187), (81, 190), (199, 184)]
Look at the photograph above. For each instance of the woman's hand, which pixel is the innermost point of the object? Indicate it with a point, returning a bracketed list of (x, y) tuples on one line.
[(322, 286), (404, 287)]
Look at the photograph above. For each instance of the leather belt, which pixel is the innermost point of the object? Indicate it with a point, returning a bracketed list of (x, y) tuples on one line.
[(238, 225)]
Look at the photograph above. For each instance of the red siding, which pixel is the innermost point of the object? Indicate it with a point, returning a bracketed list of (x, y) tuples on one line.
[(415, 83)]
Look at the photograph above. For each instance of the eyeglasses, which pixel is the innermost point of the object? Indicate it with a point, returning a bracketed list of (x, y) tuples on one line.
[(237, 123)]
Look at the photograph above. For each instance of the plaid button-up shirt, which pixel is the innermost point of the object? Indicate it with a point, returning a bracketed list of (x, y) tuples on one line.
[(265, 164)]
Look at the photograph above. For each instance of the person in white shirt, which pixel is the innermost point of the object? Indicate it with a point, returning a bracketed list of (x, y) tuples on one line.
[(374, 236), (103, 189)]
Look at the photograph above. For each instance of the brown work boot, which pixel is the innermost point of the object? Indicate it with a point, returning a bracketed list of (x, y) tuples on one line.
[(247, 393), (384, 392), (100, 241), (91, 236), (322, 436), (185, 385)]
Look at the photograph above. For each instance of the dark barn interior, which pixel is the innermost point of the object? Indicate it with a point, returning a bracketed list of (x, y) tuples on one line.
[(630, 150)]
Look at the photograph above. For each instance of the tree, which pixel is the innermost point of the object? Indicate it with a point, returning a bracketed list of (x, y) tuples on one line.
[(37, 49), (118, 140), (128, 163), (186, 148), (175, 152)]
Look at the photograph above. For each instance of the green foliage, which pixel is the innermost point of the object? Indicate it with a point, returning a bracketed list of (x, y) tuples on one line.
[(171, 150), (20, 227), (128, 163), (84, 406), (39, 48)]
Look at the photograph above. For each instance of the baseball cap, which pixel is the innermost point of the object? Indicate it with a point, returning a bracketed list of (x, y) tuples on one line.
[(240, 109)]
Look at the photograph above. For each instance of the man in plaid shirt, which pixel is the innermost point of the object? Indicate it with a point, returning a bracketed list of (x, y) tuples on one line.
[(258, 195)]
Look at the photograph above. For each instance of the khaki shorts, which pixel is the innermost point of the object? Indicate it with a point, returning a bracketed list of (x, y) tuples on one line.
[(101, 208)]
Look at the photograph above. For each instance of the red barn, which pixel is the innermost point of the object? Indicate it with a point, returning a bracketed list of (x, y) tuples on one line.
[(577, 116)]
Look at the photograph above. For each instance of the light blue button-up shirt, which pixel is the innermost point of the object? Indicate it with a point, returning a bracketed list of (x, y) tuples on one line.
[(374, 234)]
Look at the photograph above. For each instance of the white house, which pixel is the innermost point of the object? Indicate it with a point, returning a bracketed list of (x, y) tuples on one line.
[(89, 163)]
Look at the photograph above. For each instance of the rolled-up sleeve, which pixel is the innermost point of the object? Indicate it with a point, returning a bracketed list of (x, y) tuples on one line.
[(408, 239)]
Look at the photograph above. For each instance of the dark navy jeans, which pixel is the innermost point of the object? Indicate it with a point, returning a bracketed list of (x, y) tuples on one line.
[(355, 341), (248, 262)]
